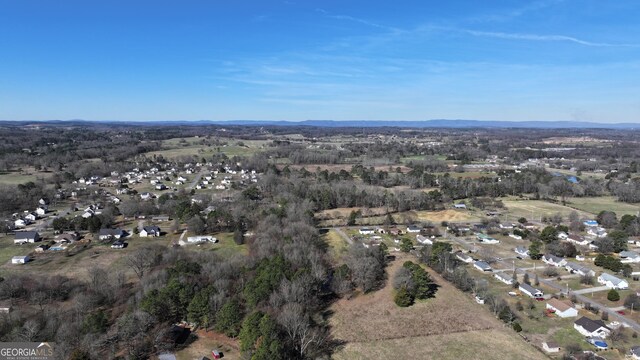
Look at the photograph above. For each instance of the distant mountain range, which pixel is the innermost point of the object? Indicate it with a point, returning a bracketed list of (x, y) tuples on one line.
[(436, 123)]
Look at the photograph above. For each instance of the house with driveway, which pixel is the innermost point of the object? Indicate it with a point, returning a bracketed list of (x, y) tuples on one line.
[(563, 309), (591, 328), (530, 290), (482, 266), (553, 260), (629, 257), (579, 269), (612, 282), (150, 231)]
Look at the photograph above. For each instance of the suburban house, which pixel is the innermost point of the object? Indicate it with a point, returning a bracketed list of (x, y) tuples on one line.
[(588, 327), (506, 226), (577, 239), (482, 266), (366, 231), (530, 226), (561, 308), (20, 259), (486, 239), (629, 257), (530, 290), (23, 237), (41, 248), (41, 211), (612, 282), (106, 234), (517, 237), (423, 240), (562, 235), (460, 206), (522, 251), (464, 257), (504, 278), (68, 237), (553, 260), (148, 231), (579, 269), (19, 223), (413, 229), (551, 347), (597, 232)]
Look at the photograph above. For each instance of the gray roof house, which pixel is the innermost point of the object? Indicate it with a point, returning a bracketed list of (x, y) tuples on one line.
[(579, 269), (588, 327), (106, 234), (26, 237), (150, 231), (482, 266), (530, 290)]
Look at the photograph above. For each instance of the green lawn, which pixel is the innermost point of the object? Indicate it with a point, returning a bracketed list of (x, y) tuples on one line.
[(8, 249)]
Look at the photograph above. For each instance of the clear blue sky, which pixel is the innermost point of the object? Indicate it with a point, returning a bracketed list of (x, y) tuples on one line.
[(330, 59)]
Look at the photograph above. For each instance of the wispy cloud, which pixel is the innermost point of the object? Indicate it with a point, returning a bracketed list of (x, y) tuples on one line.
[(507, 15), (358, 20), (537, 37)]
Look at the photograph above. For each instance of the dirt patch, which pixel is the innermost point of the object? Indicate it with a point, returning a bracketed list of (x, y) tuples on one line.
[(444, 215)]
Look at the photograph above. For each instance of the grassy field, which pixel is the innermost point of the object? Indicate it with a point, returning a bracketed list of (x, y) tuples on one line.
[(374, 327), (8, 249), (596, 204), (337, 245), (21, 177), (445, 215), (178, 147), (536, 209)]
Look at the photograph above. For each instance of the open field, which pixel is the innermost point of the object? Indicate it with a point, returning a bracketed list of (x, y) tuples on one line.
[(373, 326), (21, 177), (596, 204), (534, 210), (178, 147)]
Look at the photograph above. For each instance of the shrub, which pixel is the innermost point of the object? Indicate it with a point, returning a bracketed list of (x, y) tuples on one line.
[(613, 295), (516, 326), (403, 298)]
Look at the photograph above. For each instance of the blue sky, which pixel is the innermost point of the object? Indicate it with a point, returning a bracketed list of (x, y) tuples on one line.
[(331, 59)]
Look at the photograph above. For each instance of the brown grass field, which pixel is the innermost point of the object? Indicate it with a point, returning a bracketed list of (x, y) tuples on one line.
[(444, 215), (450, 326)]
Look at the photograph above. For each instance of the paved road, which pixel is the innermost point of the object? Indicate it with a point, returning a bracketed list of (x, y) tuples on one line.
[(591, 290), (196, 180)]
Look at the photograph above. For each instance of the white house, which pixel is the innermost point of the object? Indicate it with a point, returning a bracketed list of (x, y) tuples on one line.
[(423, 240), (31, 217), (506, 226), (413, 229), (579, 269), (530, 290), (563, 235), (106, 234), (20, 223), (482, 266), (588, 327), (367, 231), (612, 282), (517, 237), (149, 231), (464, 257), (577, 239), (22, 237), (553, 260), (41, 211), (20, 259), (504, 278), (522, 251), (629, 257), (562, 308), (146, 196)]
